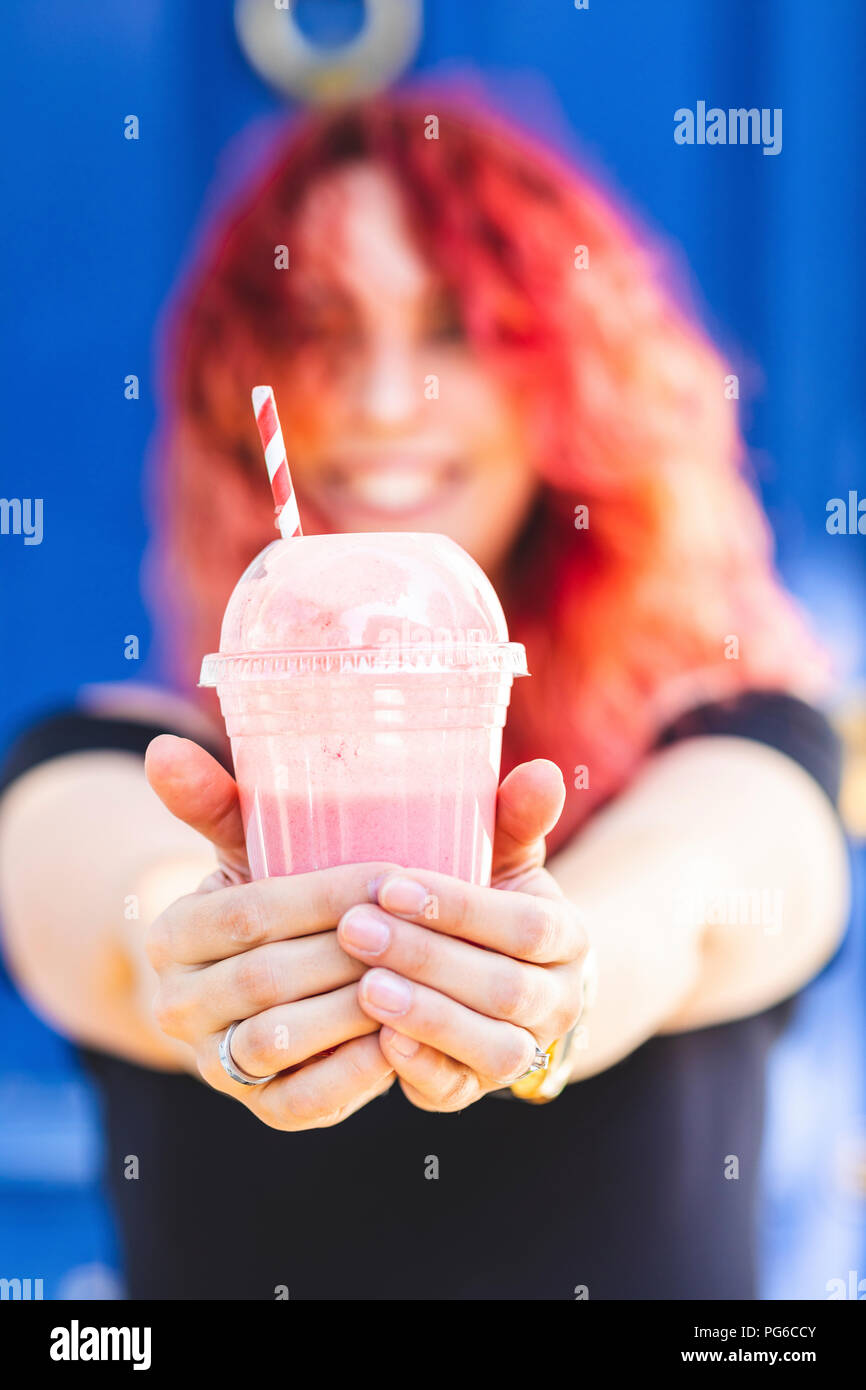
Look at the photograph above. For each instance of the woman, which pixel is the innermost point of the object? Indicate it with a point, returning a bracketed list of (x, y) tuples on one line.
[(464, 337)]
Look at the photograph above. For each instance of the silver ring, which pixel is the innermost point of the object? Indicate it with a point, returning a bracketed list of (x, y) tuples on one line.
[(230, 1066), (540, 1062)]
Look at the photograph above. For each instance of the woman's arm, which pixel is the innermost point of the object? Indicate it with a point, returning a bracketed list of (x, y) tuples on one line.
[(88, 858), (715, 886)]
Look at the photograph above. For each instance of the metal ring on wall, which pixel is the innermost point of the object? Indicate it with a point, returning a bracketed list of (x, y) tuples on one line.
[(280, 53)]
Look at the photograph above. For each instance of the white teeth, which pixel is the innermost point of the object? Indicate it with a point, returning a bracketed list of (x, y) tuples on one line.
[(391, 490)]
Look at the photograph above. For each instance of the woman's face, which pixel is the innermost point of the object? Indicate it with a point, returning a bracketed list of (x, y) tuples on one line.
[(392, 421)]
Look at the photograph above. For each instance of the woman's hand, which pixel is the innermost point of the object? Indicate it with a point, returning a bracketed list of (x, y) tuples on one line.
[(265, 954), (467, 980)]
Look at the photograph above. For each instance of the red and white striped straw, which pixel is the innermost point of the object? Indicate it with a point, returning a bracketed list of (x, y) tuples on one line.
[(268, 421)]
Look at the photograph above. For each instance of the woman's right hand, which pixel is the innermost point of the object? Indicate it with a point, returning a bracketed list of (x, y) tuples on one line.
[(263, 955)]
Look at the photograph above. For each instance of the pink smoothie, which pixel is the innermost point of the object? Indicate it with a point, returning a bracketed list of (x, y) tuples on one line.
[(364, 681), (449, 832)]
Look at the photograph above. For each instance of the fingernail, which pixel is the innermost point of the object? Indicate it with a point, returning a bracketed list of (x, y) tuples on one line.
[(365, 931), (402, 895), (398, 1042), (386, 991)]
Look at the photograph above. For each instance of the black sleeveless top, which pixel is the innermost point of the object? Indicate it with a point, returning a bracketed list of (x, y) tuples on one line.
[(619, 1186)]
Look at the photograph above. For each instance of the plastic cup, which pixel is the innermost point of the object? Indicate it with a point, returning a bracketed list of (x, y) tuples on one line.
[(364, 681)]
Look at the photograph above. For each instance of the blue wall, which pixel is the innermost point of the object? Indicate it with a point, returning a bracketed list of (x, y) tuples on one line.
[(100, 226)]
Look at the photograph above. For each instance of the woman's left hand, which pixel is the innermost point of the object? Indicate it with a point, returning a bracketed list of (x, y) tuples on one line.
[(468, 981)]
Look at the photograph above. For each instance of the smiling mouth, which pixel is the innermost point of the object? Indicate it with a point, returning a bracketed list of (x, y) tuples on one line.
[(395, 487)]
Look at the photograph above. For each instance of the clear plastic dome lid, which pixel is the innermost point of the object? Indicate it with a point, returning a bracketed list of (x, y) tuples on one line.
[(378, 602)]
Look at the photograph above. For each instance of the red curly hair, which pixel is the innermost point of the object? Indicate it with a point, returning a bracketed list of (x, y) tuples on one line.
[(667, 596)]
